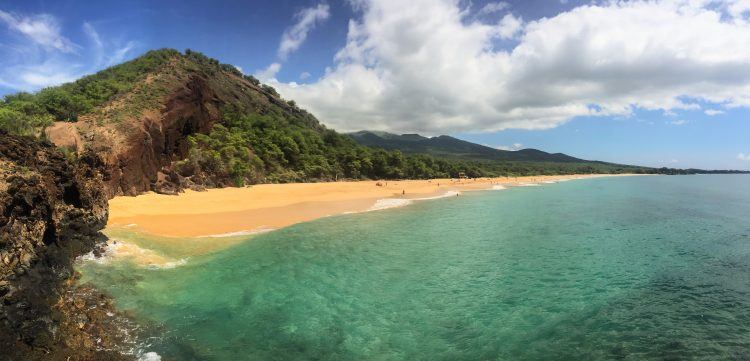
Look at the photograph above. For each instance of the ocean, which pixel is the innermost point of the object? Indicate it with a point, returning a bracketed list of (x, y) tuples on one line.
[(633, 268)]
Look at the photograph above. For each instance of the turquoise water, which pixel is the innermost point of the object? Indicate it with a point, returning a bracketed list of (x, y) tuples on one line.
[(615, 268)]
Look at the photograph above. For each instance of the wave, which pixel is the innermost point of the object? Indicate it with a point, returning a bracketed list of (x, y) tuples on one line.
[(169, 265), (387, 203), (239, 233), (444, 195), (528, 184), (498, 187), (549, 182), (143, 257), (150, 356)]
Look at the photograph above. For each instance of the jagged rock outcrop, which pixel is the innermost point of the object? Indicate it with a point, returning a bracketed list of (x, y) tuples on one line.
[(51, 211), (159, 139), (138, 151)]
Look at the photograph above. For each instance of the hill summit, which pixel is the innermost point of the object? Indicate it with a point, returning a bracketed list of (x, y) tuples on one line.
[(168, 120)]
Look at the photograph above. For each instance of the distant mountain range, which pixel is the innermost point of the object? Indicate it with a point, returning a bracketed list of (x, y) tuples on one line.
[(449, 147)]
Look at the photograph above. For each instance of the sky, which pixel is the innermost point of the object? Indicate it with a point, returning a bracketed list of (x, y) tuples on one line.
[(655, 83)]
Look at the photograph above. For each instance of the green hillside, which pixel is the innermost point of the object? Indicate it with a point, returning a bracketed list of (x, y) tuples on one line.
[(217, 127), (449, 147)]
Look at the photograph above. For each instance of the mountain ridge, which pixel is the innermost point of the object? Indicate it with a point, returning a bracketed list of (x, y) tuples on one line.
[(451, 146), (164, 122), (168, 121)]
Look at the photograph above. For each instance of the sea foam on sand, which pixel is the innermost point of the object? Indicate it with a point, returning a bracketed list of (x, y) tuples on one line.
[(498, 187), (444, 195), (387, 203), (150, 356), (116, 249), (258, 230)]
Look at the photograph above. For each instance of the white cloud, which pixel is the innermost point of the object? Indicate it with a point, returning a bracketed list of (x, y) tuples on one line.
[(93, 34), (48, 73), (307, 19), (118, 55), (422, 66), (51, 59), (712, 112), (743, 156), (106, 55), (738, 8), (509, 26), (513, 147), (678, 122), (493, 7), (304, 75), (268, 74), (43, 29)]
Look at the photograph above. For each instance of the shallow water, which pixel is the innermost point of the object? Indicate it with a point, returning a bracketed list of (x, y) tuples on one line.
[(626, 268)]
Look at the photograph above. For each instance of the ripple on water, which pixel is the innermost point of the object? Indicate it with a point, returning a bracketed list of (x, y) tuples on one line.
[(629, 268)]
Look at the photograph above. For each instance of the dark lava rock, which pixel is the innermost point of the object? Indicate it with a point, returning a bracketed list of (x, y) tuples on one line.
[(51, 211)]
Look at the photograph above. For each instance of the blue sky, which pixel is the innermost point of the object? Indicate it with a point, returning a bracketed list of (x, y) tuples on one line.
[(595, 80)]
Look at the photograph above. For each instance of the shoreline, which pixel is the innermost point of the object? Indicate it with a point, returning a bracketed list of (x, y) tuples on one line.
[(156, 230)]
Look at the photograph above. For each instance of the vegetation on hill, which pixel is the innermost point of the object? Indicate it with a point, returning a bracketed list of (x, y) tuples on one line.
[(25, 113), (448, 147), (279, 147), (283, 147), (263, 138), (503, 162)]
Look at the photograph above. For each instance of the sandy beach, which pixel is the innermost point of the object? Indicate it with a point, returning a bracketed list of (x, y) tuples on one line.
[(163, 231), (233, 211)]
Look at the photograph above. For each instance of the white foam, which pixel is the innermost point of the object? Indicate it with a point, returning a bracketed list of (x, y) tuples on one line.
[(387, 203), (150, 356), (549, 182), (444, 195), (239, 233), (131, 225), (168, 265), (528, 185), (144, 257), (498, 187)]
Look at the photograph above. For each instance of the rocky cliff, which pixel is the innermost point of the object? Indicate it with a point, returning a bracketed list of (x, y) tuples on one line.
[(51, 211), (140, 133), (54, 192)]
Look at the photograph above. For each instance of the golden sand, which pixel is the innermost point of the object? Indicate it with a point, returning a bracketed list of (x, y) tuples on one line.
[(271, 206)]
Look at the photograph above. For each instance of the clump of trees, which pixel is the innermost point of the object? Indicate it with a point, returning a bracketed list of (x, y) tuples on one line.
[(282, 147), (261, 145), (22, 114)]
